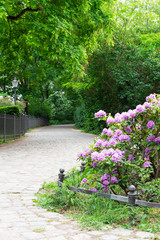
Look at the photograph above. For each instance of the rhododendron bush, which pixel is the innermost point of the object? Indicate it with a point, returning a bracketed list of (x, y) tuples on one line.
[(127, 152)]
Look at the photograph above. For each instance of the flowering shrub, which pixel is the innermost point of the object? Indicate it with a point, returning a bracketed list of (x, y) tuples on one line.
[(127, 151)]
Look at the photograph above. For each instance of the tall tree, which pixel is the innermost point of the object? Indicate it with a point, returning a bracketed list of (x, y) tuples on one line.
[(39, 35)]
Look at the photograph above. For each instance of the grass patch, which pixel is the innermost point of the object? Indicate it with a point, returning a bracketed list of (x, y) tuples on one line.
[(96, 212), (7, 140), (39, 230)]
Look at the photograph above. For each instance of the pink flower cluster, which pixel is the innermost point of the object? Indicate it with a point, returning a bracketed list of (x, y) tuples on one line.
[(99, 114), (116, 155), (133, 113), (150, 124), (106, 180), (84, 180), (120, 145), (85, 153)]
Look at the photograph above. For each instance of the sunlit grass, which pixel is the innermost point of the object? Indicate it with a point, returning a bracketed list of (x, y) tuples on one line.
[(95, 212)]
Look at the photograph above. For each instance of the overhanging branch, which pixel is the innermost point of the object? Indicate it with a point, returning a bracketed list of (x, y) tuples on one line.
[(15, 18)]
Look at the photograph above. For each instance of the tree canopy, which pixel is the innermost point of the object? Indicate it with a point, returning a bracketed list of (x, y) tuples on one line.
[(80, 48), (42, 38)]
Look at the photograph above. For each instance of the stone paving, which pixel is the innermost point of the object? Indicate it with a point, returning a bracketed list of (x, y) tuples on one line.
[(24, 165)]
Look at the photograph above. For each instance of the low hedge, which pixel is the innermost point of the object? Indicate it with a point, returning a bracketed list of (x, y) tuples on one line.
[(12, 110)]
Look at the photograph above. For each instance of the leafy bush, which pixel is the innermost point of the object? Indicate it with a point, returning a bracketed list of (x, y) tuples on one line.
[(39, 109), (127, 152), (120, 76), (79, 116), (61, 106), (6, 101), (12, 110), (83, 119)]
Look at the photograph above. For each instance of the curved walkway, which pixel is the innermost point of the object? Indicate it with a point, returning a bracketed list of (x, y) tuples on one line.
[(24, 165)]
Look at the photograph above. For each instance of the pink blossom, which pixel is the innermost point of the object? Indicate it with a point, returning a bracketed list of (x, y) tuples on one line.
[(154, 101), (105, 177), (115, 137), (86, 152), (104, 152), (106, 189), (105, 130), (84, 180), (146, 164), (151, 96), (100, 113), (123, 138), (147, 105), (112, 142), (110, 151), (150, 124), (140, 108), (93, 189), (116, 157), (98, 143), (150, 138), (97, 156), (105, 144), (147, 158), (147, 150), (128, 129), (79, 155), (110, 120), (121, 153), (118, 117), (132, 113), (157, 140), (114, 171), (110, 132), (118, 132), (131, 158), (125, 115), (94, 164), (114, 180), (105, 182)]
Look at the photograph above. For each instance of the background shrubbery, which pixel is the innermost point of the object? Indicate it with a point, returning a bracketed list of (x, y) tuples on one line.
[(119, 77), (12, 110)]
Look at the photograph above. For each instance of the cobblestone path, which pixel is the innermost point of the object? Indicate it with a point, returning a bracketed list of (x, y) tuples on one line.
[(24, 165)]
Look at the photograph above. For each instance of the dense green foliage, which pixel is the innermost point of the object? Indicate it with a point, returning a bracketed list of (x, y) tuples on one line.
[(120, 75), (12, 110), (6, 101), (44, 43), (101, 54)]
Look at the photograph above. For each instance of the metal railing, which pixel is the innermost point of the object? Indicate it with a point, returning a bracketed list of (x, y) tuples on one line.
[(13, 127), (130, 199)]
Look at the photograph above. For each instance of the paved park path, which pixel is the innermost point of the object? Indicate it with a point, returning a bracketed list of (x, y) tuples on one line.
[(24, 165)]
